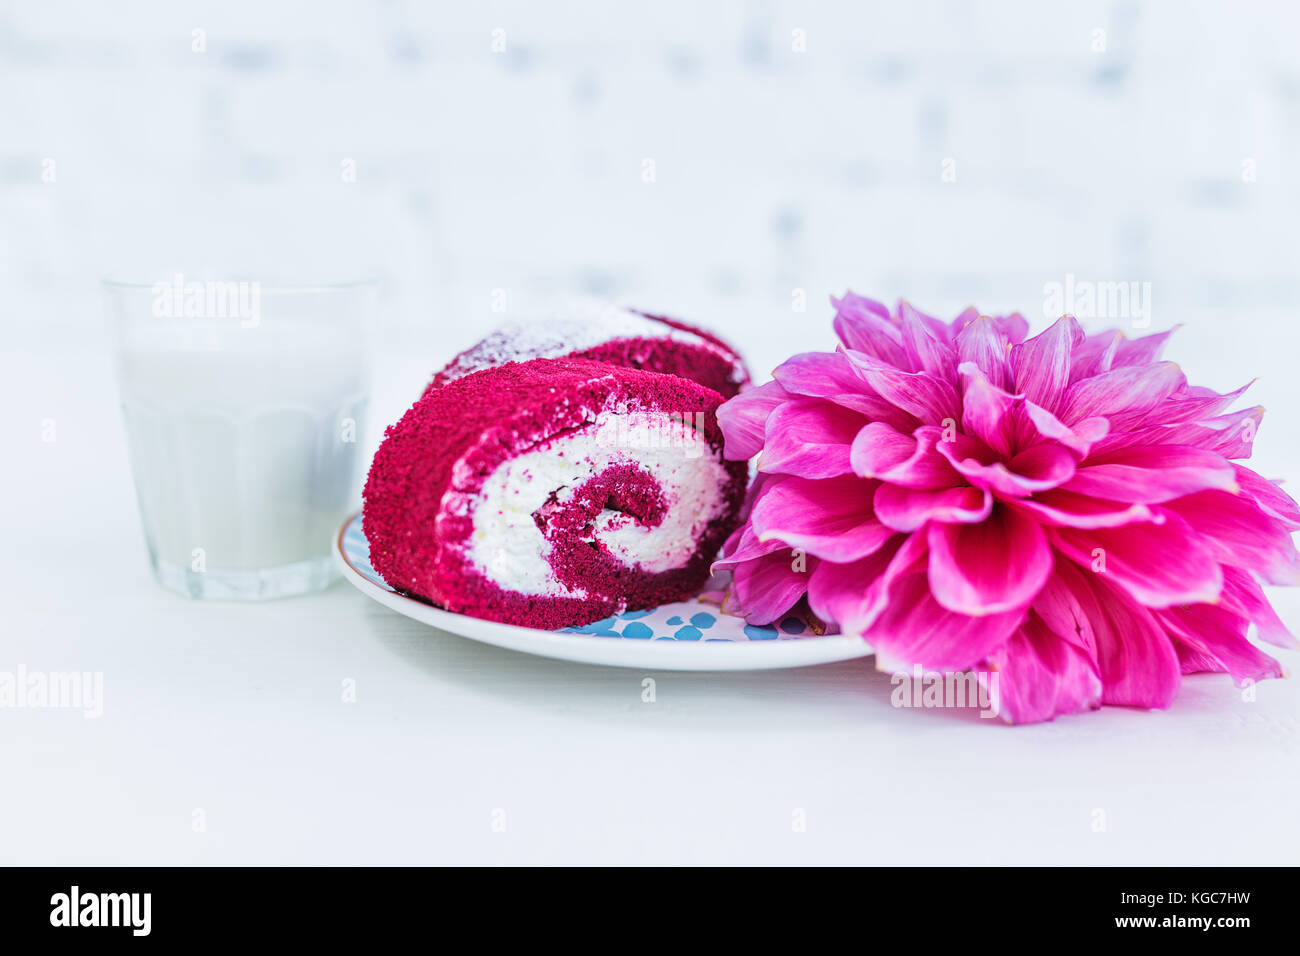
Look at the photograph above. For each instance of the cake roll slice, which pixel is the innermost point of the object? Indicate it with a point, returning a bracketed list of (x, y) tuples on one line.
[(553, 492), (611, 334)]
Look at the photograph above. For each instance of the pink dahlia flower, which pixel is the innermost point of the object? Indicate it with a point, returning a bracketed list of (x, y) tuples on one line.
[(1063, 511)]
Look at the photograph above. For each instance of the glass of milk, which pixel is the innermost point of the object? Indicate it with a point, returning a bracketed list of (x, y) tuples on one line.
[(243, 403)]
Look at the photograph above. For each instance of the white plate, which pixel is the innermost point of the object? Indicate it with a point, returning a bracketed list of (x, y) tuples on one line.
[(688, 636)]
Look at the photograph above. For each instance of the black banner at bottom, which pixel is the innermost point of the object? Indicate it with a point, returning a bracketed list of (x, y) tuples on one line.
[(1150, 906)]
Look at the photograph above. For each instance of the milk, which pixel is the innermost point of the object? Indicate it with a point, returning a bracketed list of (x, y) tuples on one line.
[(243, 443)]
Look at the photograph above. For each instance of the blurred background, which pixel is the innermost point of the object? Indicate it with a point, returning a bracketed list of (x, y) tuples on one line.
[(732, 163)]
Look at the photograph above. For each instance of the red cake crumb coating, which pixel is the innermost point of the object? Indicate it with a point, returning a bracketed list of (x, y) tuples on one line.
[(710, 361), (451, 440)]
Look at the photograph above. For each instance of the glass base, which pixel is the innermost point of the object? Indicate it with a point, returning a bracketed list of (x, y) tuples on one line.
[(302, 577)]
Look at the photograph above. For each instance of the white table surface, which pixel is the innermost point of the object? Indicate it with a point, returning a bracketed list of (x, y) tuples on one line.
[(236, 710)]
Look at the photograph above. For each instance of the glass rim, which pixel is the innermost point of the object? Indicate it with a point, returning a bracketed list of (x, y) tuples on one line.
[(111, 283)]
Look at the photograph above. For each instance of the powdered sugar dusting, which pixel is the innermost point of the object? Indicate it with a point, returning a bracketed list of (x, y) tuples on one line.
[(579, 326)]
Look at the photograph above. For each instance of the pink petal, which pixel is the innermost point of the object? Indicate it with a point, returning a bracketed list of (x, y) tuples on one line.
[(1217, 637), (966, 317), (743, 418), (1191, 661), (831, 375), (817, 374), (865, 325), (880, 448), (913, 628), (743, 546), (810, 438), (1014, 326), (1043, 466), (1112, 349), (1269, 495), (1039, 424), (1143, 350), (1057, 506), (985, 345), (1231, 435), (907, 509), (1198, 401), (987, 411), (853, 594), (1137, 661), (1152, 474), (1042, 364), (1159, 565), (925, 351), (1240, 534), (856, 306), (880, 451), (1119, 390), (831, 518), (991, 567), (937, 328), (1037, 675), (1007, 422), (767, 587), (1095, 355), (733, 540), (1036, 469), (929, 398), (1242, 595), (1060, 610), (1193, 405)]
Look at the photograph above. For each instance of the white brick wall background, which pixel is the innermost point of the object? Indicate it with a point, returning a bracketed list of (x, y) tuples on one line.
[(775, 169)]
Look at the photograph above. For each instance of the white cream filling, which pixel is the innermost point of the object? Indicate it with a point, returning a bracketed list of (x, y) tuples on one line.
[(509, 548)]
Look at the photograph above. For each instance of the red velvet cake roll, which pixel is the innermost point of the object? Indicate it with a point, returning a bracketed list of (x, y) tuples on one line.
[(611, 334), (553, 492)]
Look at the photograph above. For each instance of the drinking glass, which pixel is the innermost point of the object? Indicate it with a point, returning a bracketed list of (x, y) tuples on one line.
[(244, 403)]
